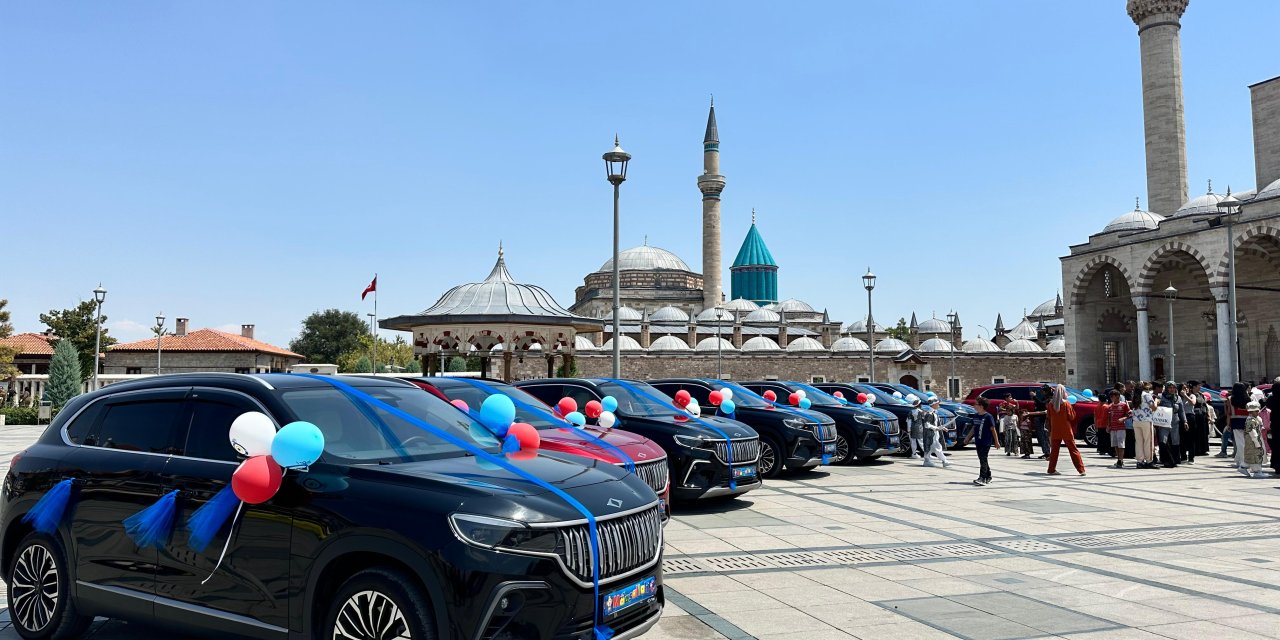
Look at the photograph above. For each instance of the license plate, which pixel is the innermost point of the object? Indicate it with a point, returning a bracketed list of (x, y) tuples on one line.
[(744, 472), (625, 597), (829, 448)]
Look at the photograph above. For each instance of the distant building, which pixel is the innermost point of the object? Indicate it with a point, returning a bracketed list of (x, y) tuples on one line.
[(34, 351), (200, 350)]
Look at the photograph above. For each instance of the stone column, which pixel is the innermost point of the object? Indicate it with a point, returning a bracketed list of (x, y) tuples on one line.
[(506, 365), (1226, 337), (1159, 22), (1144, 338)]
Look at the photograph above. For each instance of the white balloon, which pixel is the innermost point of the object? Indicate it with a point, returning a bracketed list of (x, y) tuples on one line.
[(897, 394), (693, 409), (801, 393), (726, 393), (871, 399), (912, 398), (251, 434), (607, 420)]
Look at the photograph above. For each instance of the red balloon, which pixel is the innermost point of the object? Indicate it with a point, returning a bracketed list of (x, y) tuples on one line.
[(1225, 393), (256, 479), (794, 398), (770, 395), (567, 406), (862, 398), (715, 398), (683, 398), (460, 403), (526, 434), (839, 394), (593, 409)]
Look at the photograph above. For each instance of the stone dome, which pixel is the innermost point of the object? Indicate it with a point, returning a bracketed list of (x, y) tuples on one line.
[(1025, 330), (1057, 345), (805, 344), (935, 345), (1048, 308), (849, 344), (1136, 220), (933, 326), (1270, 191), (979, 345), (645, 258), (709, 344), (627, 344), (625, 314), (761, 343), (583, 343), (709, 316), (762, 316), (740, 304), (860, 326), (669, 314), (1022, 346), (1200, 205), (669, 343), (891, 345), (791, 305)]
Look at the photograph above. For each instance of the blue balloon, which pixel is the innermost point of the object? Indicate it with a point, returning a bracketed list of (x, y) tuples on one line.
[(805, 403), (1088, 393), (727, 407), (1072, 398), (297, 445), (868, 403), (843, 401), (609, 403), (576, 418), (931, 395), (498, 412)]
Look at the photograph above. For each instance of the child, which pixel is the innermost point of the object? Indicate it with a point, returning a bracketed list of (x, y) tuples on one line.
[(915, 427), (1009, 427), (935, 435), (1117, 412), (1254, 454), (986, 436)]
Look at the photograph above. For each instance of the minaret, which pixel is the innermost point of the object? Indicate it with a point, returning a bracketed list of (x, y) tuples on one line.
[(1159, 22), (711, 183)]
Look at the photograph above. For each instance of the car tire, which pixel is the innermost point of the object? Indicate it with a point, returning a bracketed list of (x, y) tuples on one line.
[(41, 606), (364, 598), (771, 457), (845, 444), (1089, 433)]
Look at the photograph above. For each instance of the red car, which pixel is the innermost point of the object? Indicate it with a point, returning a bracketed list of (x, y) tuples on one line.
[(557, 435), (1024, 394)]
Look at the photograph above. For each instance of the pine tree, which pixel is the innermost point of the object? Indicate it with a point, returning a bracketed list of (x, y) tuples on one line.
[(413, 366), (64, 374), (456, 364), (363, 365)]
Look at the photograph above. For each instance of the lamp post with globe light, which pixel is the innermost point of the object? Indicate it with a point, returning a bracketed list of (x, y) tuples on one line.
[(869, 283), (953, 318), (99, 296), (1229, 208), (1171, 294), (615, 165), (160, 334)]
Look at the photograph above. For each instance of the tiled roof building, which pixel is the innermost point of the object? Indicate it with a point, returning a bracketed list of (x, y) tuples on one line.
[(200, 350)]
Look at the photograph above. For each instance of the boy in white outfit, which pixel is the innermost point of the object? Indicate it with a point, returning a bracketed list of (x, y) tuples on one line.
[(934, 436)]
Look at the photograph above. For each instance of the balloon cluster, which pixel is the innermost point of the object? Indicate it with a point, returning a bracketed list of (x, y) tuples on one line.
[(1088, 394), (296, 445), (799, 399), (688, 404), (602, 411), (723, 398), (839, 395), (497, 426)]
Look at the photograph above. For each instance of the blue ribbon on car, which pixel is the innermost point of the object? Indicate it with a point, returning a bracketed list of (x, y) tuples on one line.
[(728, 450), (357, 396), (622, 456)]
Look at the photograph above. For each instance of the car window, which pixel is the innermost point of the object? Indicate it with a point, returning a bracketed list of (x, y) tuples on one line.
[(210, 424), (78, 430), (818, 397), (581, 395), (744, 397), (548, 393), (640, 399), (148, 425), (699, 392)]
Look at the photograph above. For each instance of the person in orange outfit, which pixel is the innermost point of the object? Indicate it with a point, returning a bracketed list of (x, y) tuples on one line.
[(1062, 430)]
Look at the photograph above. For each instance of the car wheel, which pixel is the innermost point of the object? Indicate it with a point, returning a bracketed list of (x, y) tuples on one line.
[(770, 457), (842, 455), (1090, 434), (378, 604), (40, 603)]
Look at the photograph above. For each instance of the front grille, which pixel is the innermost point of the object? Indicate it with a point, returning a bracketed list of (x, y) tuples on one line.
[(826, 432), (891, 427), (626, 543), (743, 450), (654, 474)]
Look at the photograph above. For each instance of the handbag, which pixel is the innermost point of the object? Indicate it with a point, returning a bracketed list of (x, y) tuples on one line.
[(1162, 417)]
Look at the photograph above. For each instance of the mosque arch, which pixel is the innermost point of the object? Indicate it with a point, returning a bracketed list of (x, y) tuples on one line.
[(1159, 259), (1252, 238), (1080, 285)]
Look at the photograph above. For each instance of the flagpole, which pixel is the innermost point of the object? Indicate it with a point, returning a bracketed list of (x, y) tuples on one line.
[(375, 325)]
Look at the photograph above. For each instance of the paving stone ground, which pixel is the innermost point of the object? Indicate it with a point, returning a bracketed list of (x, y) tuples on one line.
[(897, 550)]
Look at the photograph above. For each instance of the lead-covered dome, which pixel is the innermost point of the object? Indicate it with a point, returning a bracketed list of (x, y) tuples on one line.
[(935, 345), (709, 344), (583, 343), (740, 304), (645, 258), (1025, 330), (860, 326), (761, 343), (1048, 308), (762, 316), (625, 314), (626, 344), (792, 305), (979, 345), (669, 314), (849, 344), (1057, 345), (1136, 220), (1270, 191), (805, 344), (1200, 205), (1022, 346), (934, 326), (891, 345), (669, 343)]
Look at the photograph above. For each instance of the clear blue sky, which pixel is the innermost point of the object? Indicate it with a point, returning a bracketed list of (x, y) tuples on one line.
[(253, 162)]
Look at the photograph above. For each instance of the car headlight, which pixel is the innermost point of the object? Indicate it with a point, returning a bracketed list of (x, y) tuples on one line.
[(693, 442), (867, 421), (507, 535), (796, 423)]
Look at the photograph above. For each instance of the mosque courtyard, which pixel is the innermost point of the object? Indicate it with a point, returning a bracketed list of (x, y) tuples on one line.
[(897, 550)]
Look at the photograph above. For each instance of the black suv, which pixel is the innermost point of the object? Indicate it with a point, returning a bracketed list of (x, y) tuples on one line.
[(788, 439), (862, 433), (699, 456), (392, 524)]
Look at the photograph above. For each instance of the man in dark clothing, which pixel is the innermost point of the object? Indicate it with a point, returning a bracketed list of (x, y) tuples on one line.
[(1039, 417), (986, 437), (1273, 403)]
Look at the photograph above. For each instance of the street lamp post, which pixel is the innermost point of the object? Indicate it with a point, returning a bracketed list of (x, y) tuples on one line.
[(1230, 206), (953, 318), (160, 334), (869, 283), (615, 166), (1171, 294), (99, 296)]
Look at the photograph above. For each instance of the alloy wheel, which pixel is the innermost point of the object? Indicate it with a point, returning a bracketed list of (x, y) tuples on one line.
[(33, 588), (768, 458), (842, 450), (370, 615), (1091, 435)]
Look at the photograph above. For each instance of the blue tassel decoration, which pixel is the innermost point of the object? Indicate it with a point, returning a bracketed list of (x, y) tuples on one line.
[(510, 444), (152, 526), (208, 520), (603, 632), (47, 514), (826, 459)]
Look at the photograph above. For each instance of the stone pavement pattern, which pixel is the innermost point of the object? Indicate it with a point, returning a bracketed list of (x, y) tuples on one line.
[(896, 550)]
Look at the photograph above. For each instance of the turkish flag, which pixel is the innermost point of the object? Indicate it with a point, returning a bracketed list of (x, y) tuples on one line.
[(373, 286)]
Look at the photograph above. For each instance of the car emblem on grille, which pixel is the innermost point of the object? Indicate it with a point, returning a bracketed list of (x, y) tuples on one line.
[(615, 503), (737, 435), (642, 456)]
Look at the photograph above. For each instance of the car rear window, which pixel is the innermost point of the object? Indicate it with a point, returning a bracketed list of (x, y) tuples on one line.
[(146, 426)]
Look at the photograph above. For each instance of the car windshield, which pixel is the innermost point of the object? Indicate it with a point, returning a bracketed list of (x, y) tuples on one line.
[(744, 397), (640, 399), (356, 433), (528, 408), (817, 396)]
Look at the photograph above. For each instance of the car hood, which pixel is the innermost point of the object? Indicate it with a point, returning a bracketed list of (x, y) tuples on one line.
[(693, 426), (476, 475), (636, 447)]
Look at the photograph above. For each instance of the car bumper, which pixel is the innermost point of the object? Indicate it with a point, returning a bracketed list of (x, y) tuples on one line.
[(700, 478), (807, 452)]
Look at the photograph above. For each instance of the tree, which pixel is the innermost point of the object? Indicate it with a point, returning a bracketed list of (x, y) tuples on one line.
[(457, 364), (394, 354), (79, 326), (413, 367), (7, 370), (64, 374), (363, 365), (328, 334), (902, 331)]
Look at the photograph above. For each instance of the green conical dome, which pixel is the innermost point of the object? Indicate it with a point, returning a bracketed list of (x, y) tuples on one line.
[(754, 274), (754, 253)]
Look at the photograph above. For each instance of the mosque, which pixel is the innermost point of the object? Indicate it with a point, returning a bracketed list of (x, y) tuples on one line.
[(1188, 287)]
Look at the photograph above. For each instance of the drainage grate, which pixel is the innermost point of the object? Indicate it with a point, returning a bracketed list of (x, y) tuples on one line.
[(855, 556), (912, 553), (1091, 542), (795, 559), (681, 565), (1025, 546), (964, 549), (1165, 536), (737, 563)]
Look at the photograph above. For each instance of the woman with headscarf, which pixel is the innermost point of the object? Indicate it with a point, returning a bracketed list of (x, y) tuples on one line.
[(1062, 430), (1237, 413), (1171, 436)]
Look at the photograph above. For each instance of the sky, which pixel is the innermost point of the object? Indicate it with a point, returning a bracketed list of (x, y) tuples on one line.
[(246, 162)]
